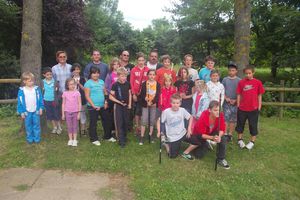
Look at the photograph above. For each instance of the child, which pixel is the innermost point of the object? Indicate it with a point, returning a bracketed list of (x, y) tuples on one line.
[(50, 91), (173, 120), (112, 76), (188, 61), (204, 73), (215, 88), (30, 107), (71, 107), (205, 129), (149, 100), (185, 88), (166, 69), (120, 94), (249, 98), (230, 110), (95, 94), (80, 81), (138, 75), (200, 101)]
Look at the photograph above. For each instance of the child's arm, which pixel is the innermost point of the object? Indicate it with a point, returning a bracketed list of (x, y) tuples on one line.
[(79, 106), (259, 101), (88, 98), (189, 131), (129, 100), (41, 102), (105, 100), (20, 107), (114, 99), (63, 107), (238, 99)]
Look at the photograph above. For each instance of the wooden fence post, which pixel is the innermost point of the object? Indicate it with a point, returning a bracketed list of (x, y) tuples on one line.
[(281, 99)]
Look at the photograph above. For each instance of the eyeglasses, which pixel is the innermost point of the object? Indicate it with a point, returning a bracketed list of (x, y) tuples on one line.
[(125, 55)]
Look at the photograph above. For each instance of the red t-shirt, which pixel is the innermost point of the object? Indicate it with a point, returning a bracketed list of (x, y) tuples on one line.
[(249, 91), (137, 77), (160, 78), (197, 101), (202, 126), (165, 97)]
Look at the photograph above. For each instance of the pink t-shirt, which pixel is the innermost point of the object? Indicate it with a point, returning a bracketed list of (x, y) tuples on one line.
[(114, 77), (71, 100)]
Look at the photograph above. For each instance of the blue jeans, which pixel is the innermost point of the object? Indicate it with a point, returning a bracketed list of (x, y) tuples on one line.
[(33, 128)]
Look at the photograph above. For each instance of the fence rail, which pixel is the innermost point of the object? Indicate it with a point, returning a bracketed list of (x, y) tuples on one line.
[(281, 104)]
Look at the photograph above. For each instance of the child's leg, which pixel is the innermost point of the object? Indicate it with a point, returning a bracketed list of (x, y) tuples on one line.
[(190, 148), (241, 120), (107, 120), (118, 122), (253, 122), (69, 122), (53, 124), (144, 121), (195, 141), (231, 127), (93, 124), (36, 127), (75, 125), (29, 127), (152, 119), (83, 117), (174, 148)]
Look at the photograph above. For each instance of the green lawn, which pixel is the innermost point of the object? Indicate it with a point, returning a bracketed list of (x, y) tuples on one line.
[(269, 171)]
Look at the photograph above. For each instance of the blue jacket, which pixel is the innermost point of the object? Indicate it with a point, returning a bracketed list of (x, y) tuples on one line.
[(203, 105), (21, 108)]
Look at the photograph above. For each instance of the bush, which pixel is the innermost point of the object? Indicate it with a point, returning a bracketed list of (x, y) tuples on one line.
[(8, 110)]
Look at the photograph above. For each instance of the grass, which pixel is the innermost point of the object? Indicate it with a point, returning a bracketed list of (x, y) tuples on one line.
[(269, 171), (22, 187)]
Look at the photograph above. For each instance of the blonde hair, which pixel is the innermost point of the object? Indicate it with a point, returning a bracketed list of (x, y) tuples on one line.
[(112, 62), (200, 84), (168, 77), (122, 71), (27, 76)]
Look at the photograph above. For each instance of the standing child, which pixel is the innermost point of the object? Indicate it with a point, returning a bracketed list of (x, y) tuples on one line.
[(95, 94), (249, 98), (204, 73), (50, 92), (230, 110), (120, 94), (80, 81), (188, 62), (166, 69), (215, 88), (173, 120), (30, 107), (149, 100), (138, 75), (71, 107), (185, 88), (112, 75)]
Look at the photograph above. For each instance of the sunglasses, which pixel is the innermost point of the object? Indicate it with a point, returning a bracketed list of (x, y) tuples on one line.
[(125, 55)]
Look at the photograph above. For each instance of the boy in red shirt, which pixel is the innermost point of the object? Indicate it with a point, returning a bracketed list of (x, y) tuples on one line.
[(138, 75), (249, 98), (166, 69)]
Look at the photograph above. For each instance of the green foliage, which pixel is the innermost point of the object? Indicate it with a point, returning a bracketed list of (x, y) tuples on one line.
[(8, 110)]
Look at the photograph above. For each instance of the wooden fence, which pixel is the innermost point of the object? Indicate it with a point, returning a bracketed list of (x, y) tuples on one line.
[(281, 104)]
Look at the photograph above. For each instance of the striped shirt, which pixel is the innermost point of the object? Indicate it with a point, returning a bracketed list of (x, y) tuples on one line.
[(60, 74)]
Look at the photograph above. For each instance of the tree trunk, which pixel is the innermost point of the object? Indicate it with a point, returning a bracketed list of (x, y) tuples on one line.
[(242, 12), (31, 48)]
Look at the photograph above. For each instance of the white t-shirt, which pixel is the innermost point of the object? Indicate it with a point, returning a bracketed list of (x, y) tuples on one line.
[(150, 66), (174, 122), (214, 91), (30, 99), (193, 74)]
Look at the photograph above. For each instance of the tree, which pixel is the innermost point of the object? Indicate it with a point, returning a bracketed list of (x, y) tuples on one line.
[(31, 47), (242, 12)]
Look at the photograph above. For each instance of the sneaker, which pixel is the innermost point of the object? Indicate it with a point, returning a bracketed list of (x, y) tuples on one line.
[(228, 138), (141, 142), (223, 163), (152, 138), (75, 142), (59, 130), (112, 139), (241, 144), (187, 156), (70, 142), (250, 145), (54, 130), (211, 144), (97, 143)]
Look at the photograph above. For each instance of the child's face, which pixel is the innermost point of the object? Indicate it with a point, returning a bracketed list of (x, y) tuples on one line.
[(48, 75), (184, 74), (115, 66), (122, 78), (141, 61), (151, 76), (167, 63), (71, 85), (76, 72), (232, 72), (210, 64), (95, 76), (215, 111), (249, 74), (168, 83), (188, 62), (29, 82), (214, 77), (62, 58), (175, 103)]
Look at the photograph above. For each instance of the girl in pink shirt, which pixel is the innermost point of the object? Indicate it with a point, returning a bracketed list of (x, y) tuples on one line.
[(71, 106)]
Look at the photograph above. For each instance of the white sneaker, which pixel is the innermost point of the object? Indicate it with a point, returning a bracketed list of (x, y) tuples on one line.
[(58, 130), (75, 142), (250, 145), (112, 139), (141, 143), (241, 144), (97, 143), (70, 143), (54, 130)]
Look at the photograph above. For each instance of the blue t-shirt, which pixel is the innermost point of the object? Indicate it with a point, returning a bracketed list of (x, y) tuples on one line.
[(96, 92), (204, 74), (49, 88)]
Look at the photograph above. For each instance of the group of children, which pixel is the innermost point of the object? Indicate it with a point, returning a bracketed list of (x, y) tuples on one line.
[(183, 107)]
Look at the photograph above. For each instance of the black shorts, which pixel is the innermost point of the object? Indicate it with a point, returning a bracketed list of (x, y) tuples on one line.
[(252, 117)]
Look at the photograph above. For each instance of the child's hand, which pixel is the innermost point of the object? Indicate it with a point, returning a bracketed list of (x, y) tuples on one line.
[(217, 139), (232, 101), (96, 108), (158, 135), (134, 97), (23, 116), (149, 103), (63, 117), (78, 117), (41, 112), (105, 106), (129, 106), (189, 133), (146, 98)]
